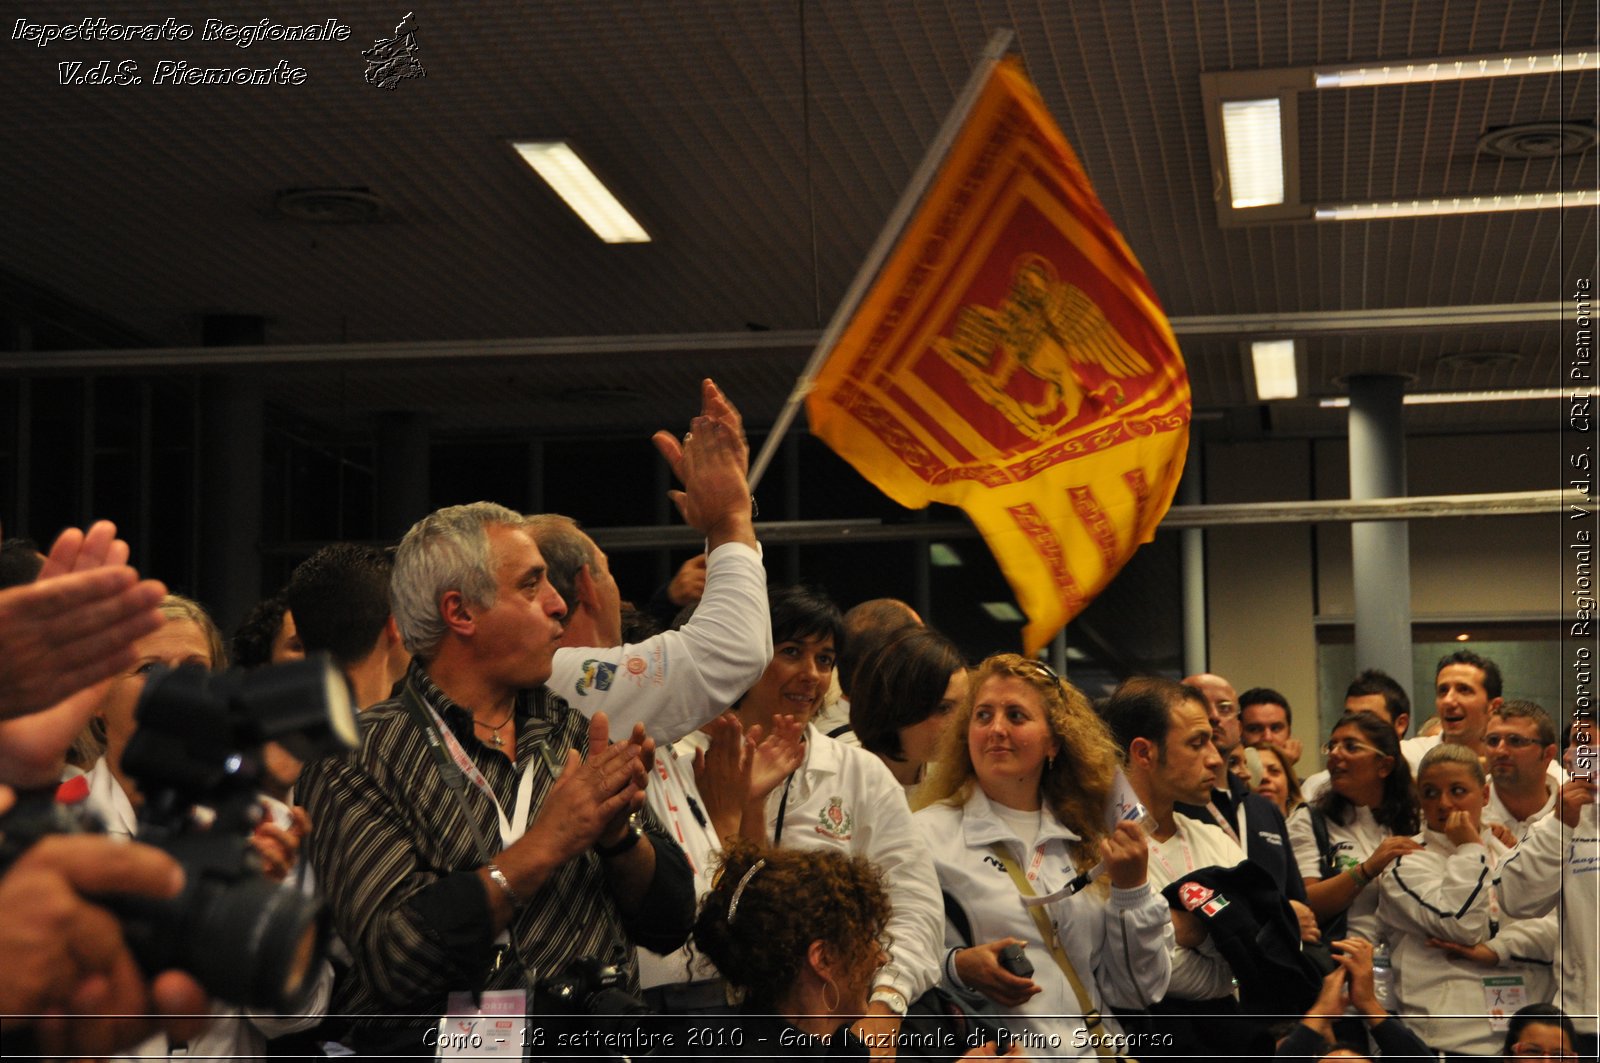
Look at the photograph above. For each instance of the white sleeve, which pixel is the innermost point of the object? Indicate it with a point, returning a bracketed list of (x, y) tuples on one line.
[(1303, 840), (1441, 898), (676, 681), (1535, 940), (892, 841), (1136, 953), (1199, 974), (1530, 878)]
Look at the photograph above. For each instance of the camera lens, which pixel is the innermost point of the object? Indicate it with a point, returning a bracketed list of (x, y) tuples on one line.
[(249, 942)]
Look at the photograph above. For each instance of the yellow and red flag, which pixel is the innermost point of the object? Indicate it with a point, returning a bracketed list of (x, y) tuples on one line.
[(1012, 359)]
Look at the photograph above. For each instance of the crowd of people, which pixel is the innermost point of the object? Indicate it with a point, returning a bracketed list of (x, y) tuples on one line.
[(761, 826)]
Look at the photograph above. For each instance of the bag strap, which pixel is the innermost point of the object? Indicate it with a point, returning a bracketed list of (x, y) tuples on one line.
[(1091, 1014)]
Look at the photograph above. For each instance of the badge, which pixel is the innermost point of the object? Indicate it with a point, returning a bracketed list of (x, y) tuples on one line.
[(1502, 997), (1193, 895), (1213, 906), (596, 675), (494, 1028), (834, 821)]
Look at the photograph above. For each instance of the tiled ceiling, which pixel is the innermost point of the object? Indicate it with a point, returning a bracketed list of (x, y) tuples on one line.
[(763, 144)]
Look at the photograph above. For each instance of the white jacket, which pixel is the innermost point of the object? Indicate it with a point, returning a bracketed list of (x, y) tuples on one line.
[(676, 681), (1447, 891), (1120, 944), (843, 798), (1556, 869)]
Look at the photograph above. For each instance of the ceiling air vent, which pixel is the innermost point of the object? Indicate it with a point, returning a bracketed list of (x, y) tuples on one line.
[(329, 206), (1538, 140)]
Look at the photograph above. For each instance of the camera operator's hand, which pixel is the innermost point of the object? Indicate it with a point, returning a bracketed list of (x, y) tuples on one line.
[(65, 958), (279, 847), (76, 624)]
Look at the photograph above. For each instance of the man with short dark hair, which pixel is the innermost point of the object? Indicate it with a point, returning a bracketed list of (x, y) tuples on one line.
[(1521, 740), (1376, 691), (1265, 717), (339, 597)]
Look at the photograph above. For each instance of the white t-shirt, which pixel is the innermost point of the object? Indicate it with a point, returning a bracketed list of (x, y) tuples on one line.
[(1349, 845)]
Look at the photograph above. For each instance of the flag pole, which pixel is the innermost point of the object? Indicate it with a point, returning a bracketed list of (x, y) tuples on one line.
[(992, 54)]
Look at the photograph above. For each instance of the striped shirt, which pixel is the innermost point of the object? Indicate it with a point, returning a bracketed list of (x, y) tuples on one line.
[(397, 860)]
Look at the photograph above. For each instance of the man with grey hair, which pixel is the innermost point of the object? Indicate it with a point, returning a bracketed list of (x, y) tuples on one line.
[(678, 680), (485, 835)]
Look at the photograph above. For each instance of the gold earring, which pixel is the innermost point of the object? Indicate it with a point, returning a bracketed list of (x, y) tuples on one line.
[(834, 1007)]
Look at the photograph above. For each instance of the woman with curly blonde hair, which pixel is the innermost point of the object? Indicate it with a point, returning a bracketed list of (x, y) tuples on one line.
[(1022, 786)]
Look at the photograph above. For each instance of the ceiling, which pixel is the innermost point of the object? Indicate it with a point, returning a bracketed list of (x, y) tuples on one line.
[(763, 145)]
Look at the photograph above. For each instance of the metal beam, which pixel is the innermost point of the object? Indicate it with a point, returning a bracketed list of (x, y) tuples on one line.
[(1333, 511), (1349, 322)]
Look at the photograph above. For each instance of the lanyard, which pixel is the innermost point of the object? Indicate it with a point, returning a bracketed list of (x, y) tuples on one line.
[(510, 829), (1222, 821), (1188, 856), (457, 768)]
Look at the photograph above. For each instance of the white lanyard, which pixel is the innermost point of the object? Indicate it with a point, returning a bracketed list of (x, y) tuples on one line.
[(510, 829), (1036, 862), (1227, 828)]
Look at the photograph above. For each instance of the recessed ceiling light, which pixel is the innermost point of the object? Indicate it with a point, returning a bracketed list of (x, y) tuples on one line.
[(576, 184), (1274, 365), (1522, 64), (1434, 398), (1004, 612), (1252, 135), (1417, 208), (1463, 637)]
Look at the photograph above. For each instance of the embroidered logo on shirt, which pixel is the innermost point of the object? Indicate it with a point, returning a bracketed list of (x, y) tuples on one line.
[(834, 821), (1212, 907), (1193, 895), (596, 674)]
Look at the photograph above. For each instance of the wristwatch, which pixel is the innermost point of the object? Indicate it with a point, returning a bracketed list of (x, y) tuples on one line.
[(892, 997), (629, 840)]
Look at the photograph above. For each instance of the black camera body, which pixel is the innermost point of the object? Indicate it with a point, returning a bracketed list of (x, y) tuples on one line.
[(590, 986), (197, 760)]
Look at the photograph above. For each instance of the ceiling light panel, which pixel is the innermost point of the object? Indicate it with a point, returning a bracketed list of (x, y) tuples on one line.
[(1437, 398), (1252, 133), (580, 189), (1523, 64), (1273, 362)]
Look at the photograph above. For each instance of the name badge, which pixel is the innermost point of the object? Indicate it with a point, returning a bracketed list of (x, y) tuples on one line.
[(494, 1028), (1502, 996)]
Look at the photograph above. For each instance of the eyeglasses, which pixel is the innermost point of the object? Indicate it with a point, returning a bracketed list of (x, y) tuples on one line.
[(1511, 741), (1349, 747), (1523, 1048)]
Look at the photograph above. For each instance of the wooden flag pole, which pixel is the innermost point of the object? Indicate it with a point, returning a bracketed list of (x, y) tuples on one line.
[(909, 199)]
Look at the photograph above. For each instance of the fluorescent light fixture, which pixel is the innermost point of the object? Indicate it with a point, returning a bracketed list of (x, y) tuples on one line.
[(1437, 398), (1004, 612), (1417, 208), (943, 555), (1522, 64), (1252, 137), (576, 184), (1273, 361)]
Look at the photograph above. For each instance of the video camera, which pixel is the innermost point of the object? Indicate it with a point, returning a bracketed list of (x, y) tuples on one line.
[(197, 760)]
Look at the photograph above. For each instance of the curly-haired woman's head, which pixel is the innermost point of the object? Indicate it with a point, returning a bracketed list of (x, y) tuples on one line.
[(1020, 721), (779, 919)]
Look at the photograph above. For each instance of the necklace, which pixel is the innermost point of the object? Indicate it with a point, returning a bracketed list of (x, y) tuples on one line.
[(494, 731)]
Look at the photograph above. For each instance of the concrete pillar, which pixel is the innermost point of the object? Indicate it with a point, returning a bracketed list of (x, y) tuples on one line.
[(1380, 550), (401, 464), (1192, 559)]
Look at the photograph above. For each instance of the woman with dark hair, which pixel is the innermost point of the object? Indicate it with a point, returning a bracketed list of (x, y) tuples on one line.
[(1540, 1031), (1355, 828), (797, 936), (841, 798), (1023, 782), (903, 697), (267, 636)]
